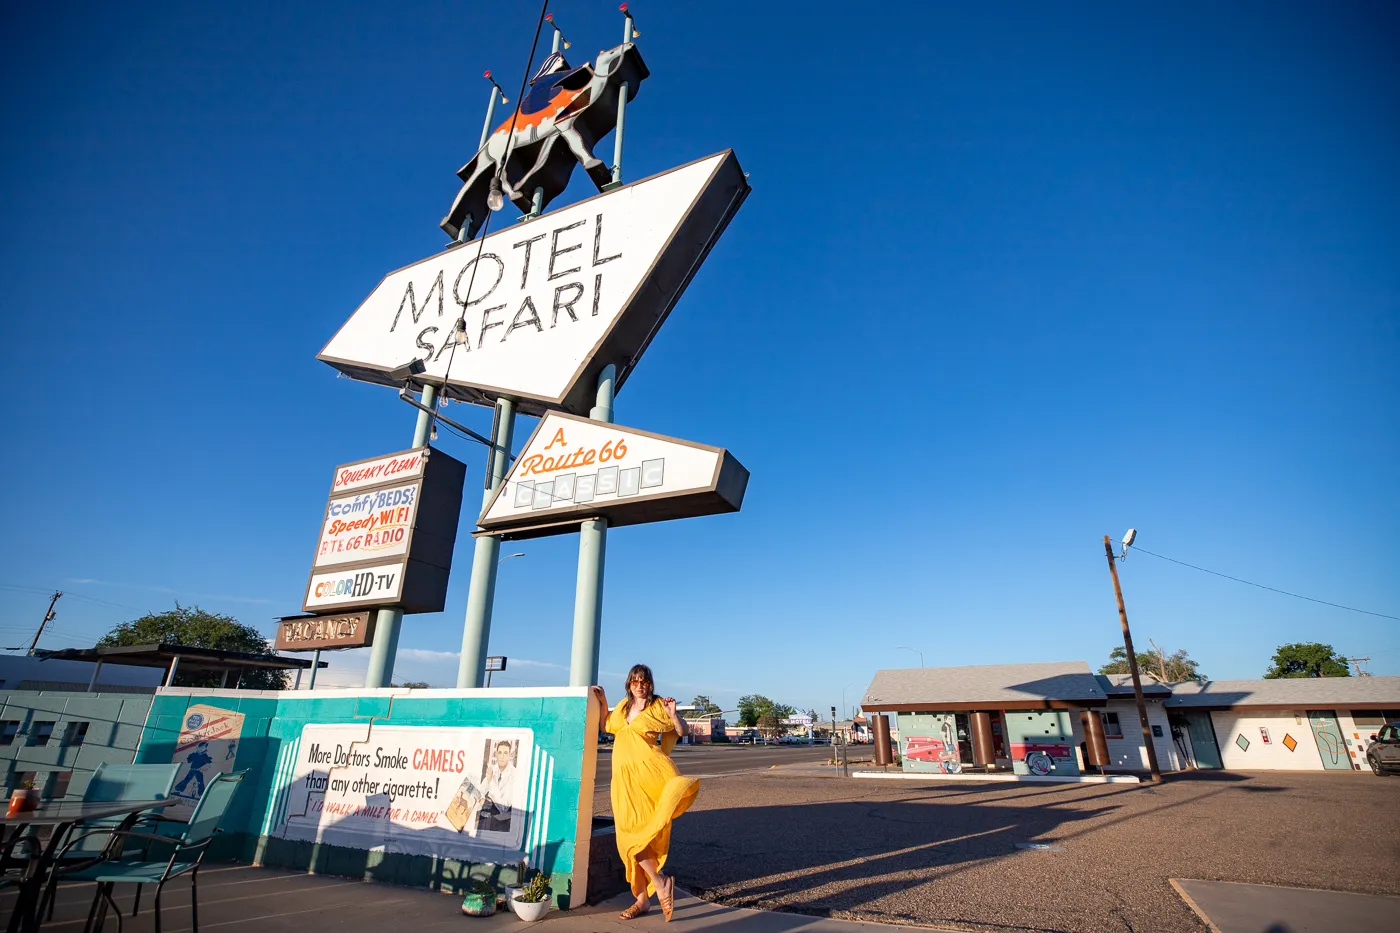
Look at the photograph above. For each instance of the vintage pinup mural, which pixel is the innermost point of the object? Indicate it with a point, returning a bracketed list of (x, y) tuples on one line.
[(207, 746)]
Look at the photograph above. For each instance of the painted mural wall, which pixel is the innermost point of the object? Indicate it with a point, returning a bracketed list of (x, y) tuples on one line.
[(928, 743), (1272, 741), (409, 787), (1043, 742)]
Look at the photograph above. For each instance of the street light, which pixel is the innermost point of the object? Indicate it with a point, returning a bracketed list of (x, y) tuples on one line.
[(915, 650), (509, 556)]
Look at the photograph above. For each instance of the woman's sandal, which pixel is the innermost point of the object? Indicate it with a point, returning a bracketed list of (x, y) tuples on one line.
[(668, 900), (633, 912)]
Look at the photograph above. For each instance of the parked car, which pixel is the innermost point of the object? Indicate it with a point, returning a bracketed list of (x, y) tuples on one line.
[(1383, 755)]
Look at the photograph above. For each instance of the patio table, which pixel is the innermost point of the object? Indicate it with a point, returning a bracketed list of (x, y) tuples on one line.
[(61, 815)]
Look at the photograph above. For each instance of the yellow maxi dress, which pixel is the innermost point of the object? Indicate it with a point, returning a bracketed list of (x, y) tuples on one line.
[(647, 790)]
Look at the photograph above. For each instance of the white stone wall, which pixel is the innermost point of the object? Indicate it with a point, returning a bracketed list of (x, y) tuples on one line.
[(1128, 753)]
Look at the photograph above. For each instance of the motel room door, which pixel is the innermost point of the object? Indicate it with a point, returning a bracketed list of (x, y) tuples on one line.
[(1202, 734), (1330, 744)]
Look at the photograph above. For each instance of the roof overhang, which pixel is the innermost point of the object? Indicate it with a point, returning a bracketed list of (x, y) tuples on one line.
[(191, 658), (987, 706)]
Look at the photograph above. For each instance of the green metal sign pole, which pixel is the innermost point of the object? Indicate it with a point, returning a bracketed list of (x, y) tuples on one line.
[(593, 534), (592, 549), (481, 592), (386, 628)]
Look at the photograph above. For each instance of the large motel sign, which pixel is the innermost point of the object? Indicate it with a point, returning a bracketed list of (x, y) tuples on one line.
[(548, 317)]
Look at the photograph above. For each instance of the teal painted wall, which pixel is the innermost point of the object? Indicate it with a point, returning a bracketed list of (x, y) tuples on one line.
[(114, 722), (269, 749), (1041, 742), (932, 738)]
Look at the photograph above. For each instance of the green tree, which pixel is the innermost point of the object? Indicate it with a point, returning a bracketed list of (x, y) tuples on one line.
[(1307, 659), (196, 628), (770, 724), (414, 685), (751, 707), (704, 706), (1171, 669)]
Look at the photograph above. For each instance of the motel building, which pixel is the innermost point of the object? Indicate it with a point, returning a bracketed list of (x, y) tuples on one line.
[(1060, 720)]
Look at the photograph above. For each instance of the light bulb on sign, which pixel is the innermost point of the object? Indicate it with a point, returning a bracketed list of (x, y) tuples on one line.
[(494, 198)]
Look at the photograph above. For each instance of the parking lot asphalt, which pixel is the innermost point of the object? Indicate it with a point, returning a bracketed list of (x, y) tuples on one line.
[(793, 838), (715, 760)]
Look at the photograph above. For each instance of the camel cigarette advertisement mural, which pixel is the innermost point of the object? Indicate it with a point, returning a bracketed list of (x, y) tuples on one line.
[(388, 533), (207, 746), (548, 302), (576, 467), (450, 792)]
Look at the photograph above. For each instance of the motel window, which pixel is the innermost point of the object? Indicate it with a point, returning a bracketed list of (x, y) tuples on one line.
[(43, 728), (1111, 727), (9, 728)]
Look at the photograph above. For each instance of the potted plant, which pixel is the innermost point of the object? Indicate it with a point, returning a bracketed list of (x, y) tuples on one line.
[(521, 870), (532, 903), (480, 900), (24, 798)]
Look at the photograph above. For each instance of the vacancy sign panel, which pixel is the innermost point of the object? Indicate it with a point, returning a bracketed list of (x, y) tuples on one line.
[(574, 468), (548, 302)]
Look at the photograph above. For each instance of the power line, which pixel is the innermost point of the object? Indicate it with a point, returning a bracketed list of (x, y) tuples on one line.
[(1272, 589)]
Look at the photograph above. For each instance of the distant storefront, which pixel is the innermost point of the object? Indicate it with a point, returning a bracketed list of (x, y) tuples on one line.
[(1061, 719)]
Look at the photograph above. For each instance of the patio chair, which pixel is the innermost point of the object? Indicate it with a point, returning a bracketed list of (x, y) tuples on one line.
[(112, 782), (187, 851)]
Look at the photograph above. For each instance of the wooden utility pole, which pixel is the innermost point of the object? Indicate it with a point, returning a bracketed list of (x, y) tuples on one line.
[(1133, 665), (48, 617)]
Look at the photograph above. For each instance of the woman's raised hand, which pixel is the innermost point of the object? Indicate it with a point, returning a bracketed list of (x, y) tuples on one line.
[(670, 704)]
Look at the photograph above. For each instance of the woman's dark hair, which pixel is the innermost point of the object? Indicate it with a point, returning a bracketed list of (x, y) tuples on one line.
[(643, 673)]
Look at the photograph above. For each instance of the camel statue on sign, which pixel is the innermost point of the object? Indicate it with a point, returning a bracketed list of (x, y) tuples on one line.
[(573, 107)]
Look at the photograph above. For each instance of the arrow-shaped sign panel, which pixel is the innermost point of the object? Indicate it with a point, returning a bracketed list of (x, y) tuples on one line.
[(547, 303), (573, 468)]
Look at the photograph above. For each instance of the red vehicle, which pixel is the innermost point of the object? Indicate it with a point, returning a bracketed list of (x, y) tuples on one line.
[(1039, 756), (932, 751)]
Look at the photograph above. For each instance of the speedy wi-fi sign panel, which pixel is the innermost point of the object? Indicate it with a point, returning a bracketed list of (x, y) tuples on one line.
[(547, 303), (573, 469)]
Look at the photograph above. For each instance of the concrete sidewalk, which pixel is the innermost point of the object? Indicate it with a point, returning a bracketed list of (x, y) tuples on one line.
[(1230, 907), (242, 899)]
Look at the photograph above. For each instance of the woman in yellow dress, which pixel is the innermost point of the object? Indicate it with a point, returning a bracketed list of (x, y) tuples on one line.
[(647, 790)]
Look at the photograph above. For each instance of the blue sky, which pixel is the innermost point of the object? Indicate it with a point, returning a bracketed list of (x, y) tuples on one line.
[(1009, 280)]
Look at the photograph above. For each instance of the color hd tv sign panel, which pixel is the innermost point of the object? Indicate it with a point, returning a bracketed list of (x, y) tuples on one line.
[(573, 469), (549, 302), (388, 534)]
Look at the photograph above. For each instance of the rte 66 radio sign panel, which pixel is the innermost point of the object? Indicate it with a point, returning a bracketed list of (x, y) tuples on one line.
[(548, 302), (574, 468), (388, 533)]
